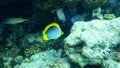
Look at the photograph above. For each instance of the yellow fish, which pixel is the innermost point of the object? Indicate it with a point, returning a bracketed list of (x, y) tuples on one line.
[(52, 31), (15, 20)]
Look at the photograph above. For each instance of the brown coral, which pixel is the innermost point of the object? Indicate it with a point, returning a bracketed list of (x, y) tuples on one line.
[(92, 4), (51, 5), (33, 49)]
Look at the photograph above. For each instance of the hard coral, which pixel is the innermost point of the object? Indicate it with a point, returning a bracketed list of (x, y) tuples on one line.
[(93, 41), (47, 59), (51, 5), (32, 44), (33, 50), (92, 4)]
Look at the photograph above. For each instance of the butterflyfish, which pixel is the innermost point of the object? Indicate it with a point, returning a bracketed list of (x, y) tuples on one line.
[(15, 20), (52, 31)]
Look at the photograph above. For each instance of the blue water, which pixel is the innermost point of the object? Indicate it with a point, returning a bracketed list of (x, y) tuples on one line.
[(15, 35)]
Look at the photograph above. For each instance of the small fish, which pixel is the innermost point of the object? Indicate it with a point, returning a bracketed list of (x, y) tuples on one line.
[(52, 31), (14, 20), (61, 15)]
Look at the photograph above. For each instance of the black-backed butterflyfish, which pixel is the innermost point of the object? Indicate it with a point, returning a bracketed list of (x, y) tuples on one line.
[(52, 31)]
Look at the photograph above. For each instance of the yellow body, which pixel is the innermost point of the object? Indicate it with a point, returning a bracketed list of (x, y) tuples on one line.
[(44, 35)]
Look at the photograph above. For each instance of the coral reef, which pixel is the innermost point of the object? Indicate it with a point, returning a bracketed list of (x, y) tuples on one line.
[(112, 7), (92, 4), (110, 64), (91, 43), (52, 5), (7, 62), (116, 9), (109, 16), (1, 62), (94, 42), (32, 43), (96, 13), (47, 59), (32, 50)]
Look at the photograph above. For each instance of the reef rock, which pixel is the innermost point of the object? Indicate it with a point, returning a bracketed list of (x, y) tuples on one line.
[(52, 5), (47, 59), (92, 4), (94, 42)]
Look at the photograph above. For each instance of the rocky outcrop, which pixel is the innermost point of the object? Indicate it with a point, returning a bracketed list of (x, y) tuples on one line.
[(94, 42)]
